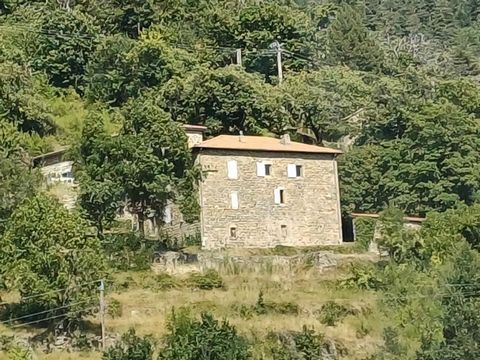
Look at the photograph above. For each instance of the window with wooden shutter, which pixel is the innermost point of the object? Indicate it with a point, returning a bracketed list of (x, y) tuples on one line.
[(260, 169), (234, 199), (292, 171), (279, 196), (232, 171)]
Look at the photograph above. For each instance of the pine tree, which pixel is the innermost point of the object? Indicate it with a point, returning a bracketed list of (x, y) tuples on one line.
[(350, 43)]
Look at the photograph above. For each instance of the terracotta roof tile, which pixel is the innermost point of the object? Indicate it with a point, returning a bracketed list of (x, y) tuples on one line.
[(261, 143)]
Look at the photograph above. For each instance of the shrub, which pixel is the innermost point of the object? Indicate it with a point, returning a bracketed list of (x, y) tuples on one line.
[(364, 232), (114, 308), (204, 339), (362, 276), (130, 347), (304, 345), (262, 307), (158, 282), (331, 313), (208, 280)]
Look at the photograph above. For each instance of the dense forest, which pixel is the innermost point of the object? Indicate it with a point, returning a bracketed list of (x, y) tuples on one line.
[(394, 84)]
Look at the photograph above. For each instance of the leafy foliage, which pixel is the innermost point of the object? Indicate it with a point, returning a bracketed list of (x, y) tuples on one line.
[(130, 347), (202, 339), (47, 252)]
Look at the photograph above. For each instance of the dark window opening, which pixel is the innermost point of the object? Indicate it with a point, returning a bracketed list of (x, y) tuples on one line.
[(282, 197), (298, 170), (233, 232), (267, 169)]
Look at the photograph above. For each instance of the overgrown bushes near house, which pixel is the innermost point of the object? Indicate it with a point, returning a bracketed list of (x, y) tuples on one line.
[(364, 232)]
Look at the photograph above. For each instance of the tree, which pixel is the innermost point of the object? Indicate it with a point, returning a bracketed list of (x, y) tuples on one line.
[(122, 68), (64, 46), (257, 26), (17, 180), (49, 256), (22, 101), (349, 42), (100, 191), (327, 104), (226, 100), (151, 159)]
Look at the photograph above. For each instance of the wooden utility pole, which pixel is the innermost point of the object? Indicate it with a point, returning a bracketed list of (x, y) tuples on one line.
[(279, 64), (102, 310), (278, 47), (239, 57)]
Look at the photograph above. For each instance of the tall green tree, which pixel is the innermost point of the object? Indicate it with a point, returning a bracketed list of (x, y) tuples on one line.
[(350, 43), (65, 43), (52, 260), (226, 100), (17, 181)]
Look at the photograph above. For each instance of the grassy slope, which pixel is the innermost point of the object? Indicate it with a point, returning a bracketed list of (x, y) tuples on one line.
[(147, 309)]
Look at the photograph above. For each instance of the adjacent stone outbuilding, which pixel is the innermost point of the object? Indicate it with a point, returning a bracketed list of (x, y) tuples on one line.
[(263, 192)]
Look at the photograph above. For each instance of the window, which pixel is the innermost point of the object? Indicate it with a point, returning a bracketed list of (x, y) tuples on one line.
[(294, 171), (279, 195), (232, 171), (284, 230), (299, 171), (267, 169), (233, 232), (263, 169), (234, 200)]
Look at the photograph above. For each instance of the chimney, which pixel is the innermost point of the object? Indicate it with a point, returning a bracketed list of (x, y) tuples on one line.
[(285, 140), (240, 137)]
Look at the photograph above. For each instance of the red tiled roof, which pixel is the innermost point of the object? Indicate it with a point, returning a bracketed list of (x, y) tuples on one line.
[(262, 143)]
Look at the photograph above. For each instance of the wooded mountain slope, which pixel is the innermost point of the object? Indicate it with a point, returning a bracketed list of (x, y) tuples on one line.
[(394, 83)]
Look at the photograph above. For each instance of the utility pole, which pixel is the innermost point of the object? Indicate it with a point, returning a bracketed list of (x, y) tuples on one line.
[(239, 57), (102, 310), (278, 47)]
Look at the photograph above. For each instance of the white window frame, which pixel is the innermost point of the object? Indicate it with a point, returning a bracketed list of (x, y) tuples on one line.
[(262, 167), (232, 169), (292, 171), (234, 200), (277, 197)]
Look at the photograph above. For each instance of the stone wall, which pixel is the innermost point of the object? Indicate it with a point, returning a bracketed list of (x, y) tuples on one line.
[(310, 215)]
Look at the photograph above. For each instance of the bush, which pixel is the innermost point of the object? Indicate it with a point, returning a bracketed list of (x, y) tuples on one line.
[(158, 282), (362, 276), (263, 307), (114, 308), (204, 339), (364, 232), (209, 280), (304, 345), (130, 347), (331, 313)]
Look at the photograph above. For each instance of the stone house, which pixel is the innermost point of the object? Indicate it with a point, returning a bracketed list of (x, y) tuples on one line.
[(263, 192)]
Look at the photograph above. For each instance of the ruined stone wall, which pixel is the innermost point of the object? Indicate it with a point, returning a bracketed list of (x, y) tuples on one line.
[(310, 215)]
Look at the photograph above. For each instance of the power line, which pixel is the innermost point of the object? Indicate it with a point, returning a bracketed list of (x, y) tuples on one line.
[(43, 312), (55, 291), (54, 317)]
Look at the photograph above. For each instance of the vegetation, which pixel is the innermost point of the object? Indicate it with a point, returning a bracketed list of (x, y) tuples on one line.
[(393, 84)]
